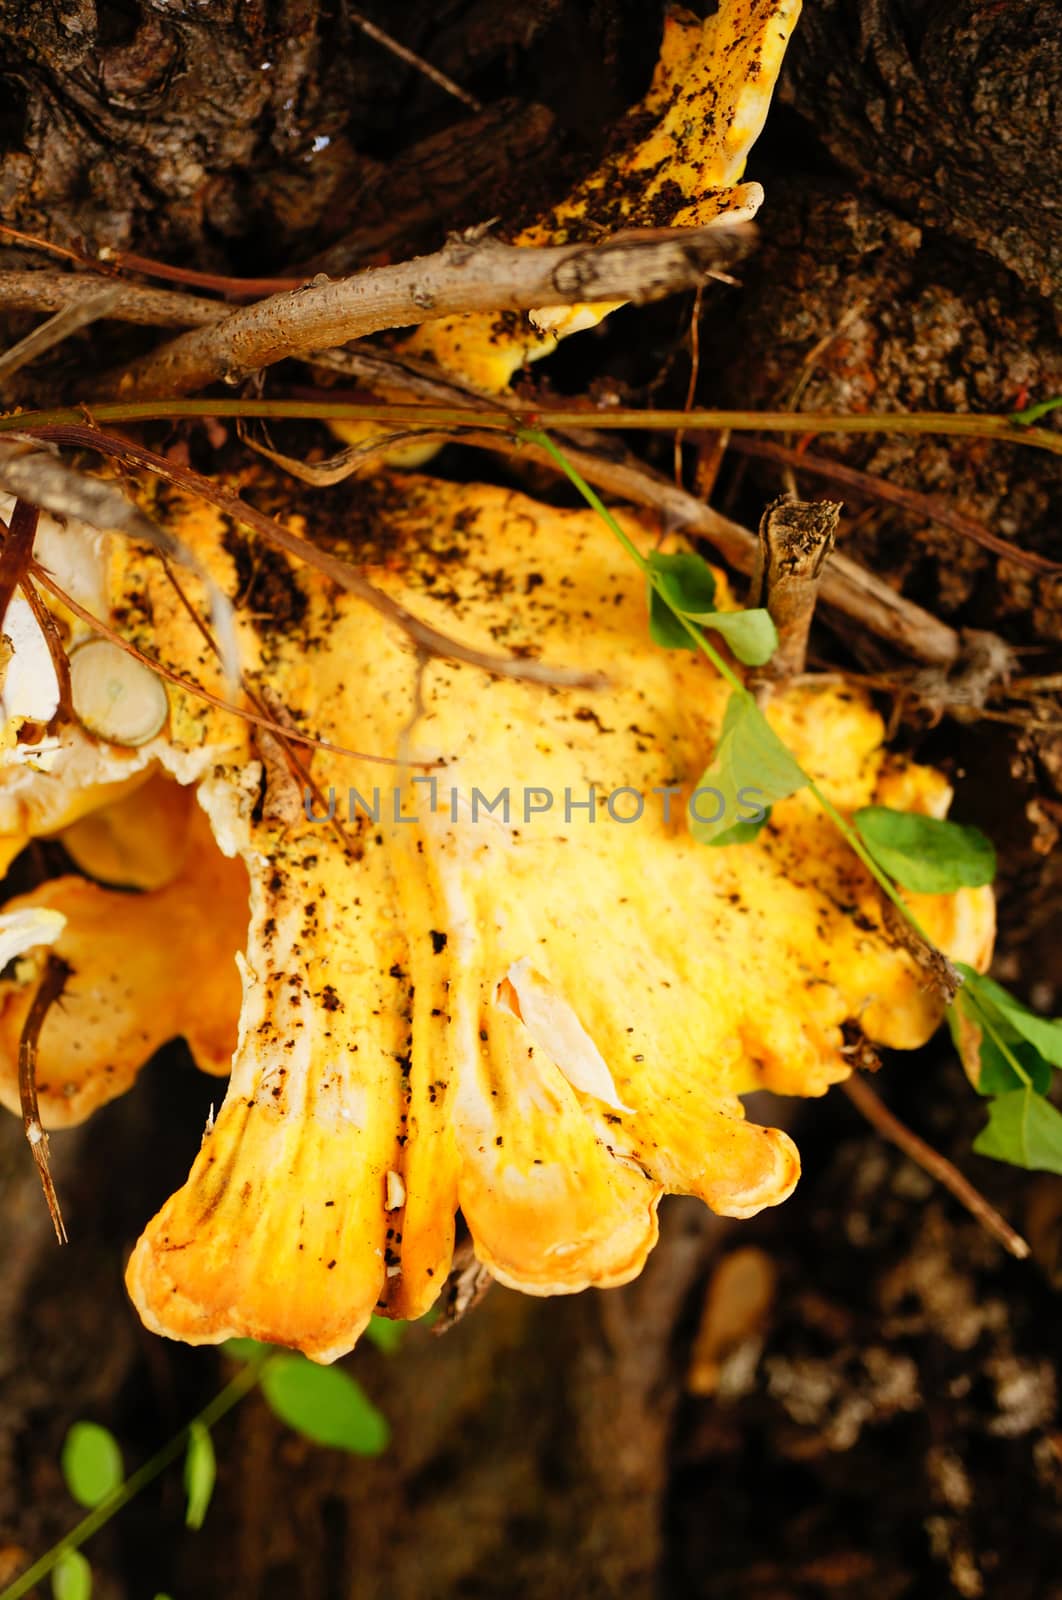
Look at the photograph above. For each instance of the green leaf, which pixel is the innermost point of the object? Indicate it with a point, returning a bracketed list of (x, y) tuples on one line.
[(246, 1349), (741, 832), (686, 580), (685, 583), (1043, 1032), (926, 854), (997, 1076), (385, 1334), (749, 757), (751, 635), (325, 1405), (71, 1577), (200, 1474), (688, 584), (1024, 1129), (91, 1463), (1035, 412)]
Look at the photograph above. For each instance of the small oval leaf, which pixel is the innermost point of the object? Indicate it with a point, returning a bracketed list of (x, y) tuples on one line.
[(751, 635), (91, 1463), (688, 585), (1023, 1129), (749, 758), (325, 1405), (926, 854), (200, 1473), (1045, 1033), (72, 1577)]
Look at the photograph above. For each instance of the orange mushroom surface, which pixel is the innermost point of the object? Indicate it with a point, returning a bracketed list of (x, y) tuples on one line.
[(484, 984)]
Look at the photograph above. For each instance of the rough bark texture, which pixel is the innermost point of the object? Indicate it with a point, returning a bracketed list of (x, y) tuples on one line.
[(948, 109), (889, 1427)]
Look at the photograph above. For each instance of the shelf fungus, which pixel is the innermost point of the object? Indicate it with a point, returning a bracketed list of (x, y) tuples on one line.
[(499, 977)]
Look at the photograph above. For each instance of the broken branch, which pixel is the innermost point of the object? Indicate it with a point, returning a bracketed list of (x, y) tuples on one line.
[(477, 274), (51, 987), (795, 541)]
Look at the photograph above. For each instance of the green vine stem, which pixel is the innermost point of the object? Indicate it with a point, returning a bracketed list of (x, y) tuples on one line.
[(887, 886), (241, 1385), (988, 426)]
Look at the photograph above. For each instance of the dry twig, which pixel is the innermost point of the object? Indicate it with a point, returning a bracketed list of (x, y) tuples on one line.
[(133, 302), (51, 987), (898, 1133), (412, 59), (921, 505), (109, 262), (421, 634), (78, 314)]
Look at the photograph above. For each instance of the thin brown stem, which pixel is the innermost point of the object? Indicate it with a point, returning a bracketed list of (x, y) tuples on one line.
[(220, 282), (421, 634), (411, 58), (109, 262), (939, 1168), (17, 552), (991, 427), (691, 387), (60, 660), (50, 988), (920, 505), (45, 579)]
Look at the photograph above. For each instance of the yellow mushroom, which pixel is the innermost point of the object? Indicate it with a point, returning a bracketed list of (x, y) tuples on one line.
[(706, 105), (545, 1018), (139, 840), (705, 108), (144, 968)]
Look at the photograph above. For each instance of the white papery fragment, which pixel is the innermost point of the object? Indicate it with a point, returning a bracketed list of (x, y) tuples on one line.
[(555, 1028)]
